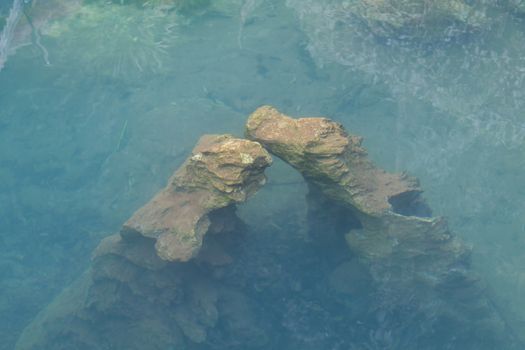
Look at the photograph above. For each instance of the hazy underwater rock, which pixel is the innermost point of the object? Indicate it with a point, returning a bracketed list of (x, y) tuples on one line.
[(331, 160), (185, 6), (414, 19), (182, 275), (222, 171), (137, 40), (152, 286), (25, 19), (517, 5), (421, 271)]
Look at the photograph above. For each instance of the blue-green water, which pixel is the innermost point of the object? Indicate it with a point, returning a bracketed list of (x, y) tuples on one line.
[(101, 101)]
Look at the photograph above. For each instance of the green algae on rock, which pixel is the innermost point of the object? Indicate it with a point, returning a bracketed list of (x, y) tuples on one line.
[(221, 171)]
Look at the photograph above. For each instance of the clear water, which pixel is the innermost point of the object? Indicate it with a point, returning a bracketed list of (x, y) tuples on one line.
[(102, 101)]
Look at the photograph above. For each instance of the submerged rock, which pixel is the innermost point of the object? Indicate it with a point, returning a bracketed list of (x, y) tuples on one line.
[(152, 286), (180, 275), (419, 268), (221, 171), (187, 6), (517, 6), (331, 160), (415, 19)]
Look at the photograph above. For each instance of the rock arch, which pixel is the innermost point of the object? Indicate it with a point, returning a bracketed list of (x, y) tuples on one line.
[(159, 283)]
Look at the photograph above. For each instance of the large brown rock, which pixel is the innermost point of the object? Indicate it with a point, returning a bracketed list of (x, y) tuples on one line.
[(221, 171), (415, 20), (412, 257), (155, 284)]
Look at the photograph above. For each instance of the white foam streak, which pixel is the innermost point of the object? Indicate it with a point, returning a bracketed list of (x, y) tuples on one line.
[(8, 31)]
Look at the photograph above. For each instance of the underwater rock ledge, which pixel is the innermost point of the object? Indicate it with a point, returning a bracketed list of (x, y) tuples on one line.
[(415, 261)]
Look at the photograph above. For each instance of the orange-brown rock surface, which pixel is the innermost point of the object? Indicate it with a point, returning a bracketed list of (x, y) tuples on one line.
[(151, 286), (181, 273), (411, 256), (221, 171)]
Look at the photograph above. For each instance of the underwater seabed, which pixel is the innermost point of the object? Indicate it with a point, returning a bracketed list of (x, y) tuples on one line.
[(86, 139)]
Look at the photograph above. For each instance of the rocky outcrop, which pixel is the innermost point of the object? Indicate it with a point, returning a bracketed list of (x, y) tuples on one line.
[(377, 273), (515, 6), (222, 171), (415, 261), (156, 284)]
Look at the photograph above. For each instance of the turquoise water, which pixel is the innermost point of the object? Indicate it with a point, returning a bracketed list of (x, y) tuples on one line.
[(102, 101)]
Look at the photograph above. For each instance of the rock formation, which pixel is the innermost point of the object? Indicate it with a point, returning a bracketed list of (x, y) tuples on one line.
[(155, 285), (414, 19), (418, 265), (222, 171), (378, 273)]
